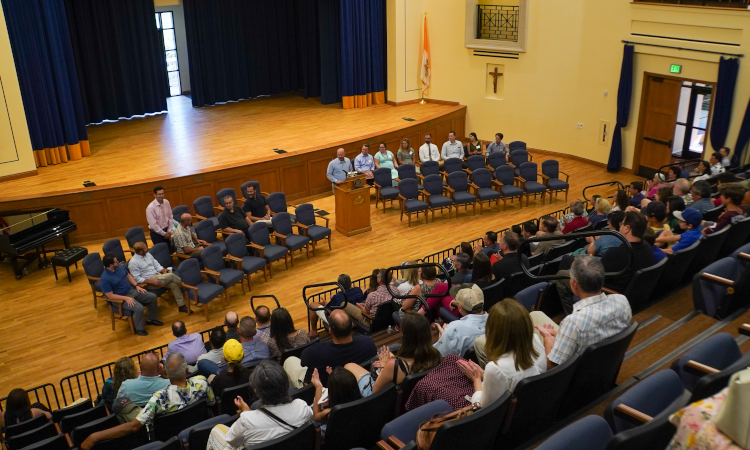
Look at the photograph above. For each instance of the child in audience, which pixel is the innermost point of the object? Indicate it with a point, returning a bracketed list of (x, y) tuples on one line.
[(689, 221), (650, 237)]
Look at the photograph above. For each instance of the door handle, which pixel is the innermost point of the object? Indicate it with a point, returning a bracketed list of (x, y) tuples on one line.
[(659, 141)]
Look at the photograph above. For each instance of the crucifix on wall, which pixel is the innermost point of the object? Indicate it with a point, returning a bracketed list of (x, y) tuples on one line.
[(495, 74)]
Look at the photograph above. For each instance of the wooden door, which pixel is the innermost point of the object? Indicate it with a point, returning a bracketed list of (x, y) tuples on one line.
[(659, 122)]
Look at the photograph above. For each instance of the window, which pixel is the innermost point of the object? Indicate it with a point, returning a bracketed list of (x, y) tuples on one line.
[(692, 120), (165, 22)]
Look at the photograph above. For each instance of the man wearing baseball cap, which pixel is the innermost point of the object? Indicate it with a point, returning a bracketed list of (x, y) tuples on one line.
[(690, 221), (459, 335)]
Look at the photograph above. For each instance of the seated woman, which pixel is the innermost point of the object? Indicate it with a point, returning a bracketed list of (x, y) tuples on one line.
[(235, 374), (384, 158), (653, 185), (428, 278), (271, 385), (124, 370), (602, 209), (410, 279), (342, 388), (703, 172), (474, 146), (415, 355), (283, 335), (405, 154), (372, 286), (19, 409), (481, 275), (621, 200), (513, 350)]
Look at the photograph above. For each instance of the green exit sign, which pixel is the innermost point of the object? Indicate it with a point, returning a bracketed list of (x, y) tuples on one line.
[(675, 68)]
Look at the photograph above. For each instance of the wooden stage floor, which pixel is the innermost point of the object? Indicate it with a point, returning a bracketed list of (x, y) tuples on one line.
[(189, 140), (50, 328)]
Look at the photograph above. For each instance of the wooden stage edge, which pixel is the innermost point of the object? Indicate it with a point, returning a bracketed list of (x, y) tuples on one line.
[(110, 210)]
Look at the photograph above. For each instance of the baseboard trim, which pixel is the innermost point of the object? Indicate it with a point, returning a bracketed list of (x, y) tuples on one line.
[(417, 100), (16, 176), (578, 158)]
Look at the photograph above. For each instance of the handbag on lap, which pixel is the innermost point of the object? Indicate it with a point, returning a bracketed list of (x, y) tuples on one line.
[(734, 416)]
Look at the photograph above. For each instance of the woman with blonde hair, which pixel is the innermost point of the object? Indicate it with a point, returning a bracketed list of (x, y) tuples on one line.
[(602, 208), (124, 370), (514, 352), (410, 279), (405, 154)]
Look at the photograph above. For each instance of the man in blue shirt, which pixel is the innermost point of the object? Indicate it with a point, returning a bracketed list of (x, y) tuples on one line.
[(458, 336), (689, 220), (338, 168), (139, 390), (636, 196), (365, 164), (353, 294), (118, 285)]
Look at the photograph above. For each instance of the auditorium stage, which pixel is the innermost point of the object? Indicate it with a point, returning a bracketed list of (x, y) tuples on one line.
[(194, 152)]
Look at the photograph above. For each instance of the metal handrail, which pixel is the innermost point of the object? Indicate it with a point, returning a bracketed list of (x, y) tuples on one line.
[(571, 237), (35, 391), (609, 183), (305, 298), (252, 305)]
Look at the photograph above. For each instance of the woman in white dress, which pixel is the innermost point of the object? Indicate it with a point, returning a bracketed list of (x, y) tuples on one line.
[(513, 350)]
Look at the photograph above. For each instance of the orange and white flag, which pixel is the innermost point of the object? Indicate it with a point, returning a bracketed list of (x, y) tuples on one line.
[(425, 71)]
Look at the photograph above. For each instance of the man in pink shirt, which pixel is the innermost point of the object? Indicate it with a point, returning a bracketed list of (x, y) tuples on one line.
[(159, 216)]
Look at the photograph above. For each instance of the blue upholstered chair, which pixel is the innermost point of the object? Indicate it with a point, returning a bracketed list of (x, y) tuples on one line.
[(589, 433), (197, 290), (277, 204), (243, 188), (260, 242), (452, 165), (237, 252), (516, 145), (433, 193), (205, 210), (531, 297), (161, 254), (379, 409), (306, 225), (518, 157), (496, 160), (475, 162), (114, 247), (228, 191), (718, 351), (134, 235), (205, 231), (528, 180), (551, 177), (179, 210), (428, 168), (481, 181), (93, 268), (506, 181), (738, 236), (213, 261), (409, 199), (660, 393), (384, 189), (284, 234), (458, 186), (406, 171)]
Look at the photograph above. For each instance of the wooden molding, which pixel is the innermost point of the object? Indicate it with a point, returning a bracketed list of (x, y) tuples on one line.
[(578, 158), (408, 102), (16, 176), (441, 102), (428, 100)]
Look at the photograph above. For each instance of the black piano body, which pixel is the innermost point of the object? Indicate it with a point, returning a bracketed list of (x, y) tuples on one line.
[(42, 226)]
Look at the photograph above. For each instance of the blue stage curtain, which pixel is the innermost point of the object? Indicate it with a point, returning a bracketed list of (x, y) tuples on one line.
[(624, 94), (47, 75), (740, 148), (243, 49), (362, 53), (119, 54), (330, 51), (723, 99)]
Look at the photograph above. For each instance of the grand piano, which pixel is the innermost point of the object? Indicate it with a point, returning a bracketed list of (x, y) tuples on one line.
[(26, 238)]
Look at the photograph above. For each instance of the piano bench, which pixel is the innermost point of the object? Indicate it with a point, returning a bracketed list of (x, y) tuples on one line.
[(67, 258)]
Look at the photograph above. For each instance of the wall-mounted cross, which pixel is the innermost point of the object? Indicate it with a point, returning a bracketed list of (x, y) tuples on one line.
[(494, 75)]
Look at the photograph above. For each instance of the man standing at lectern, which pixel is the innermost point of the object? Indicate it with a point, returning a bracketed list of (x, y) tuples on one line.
[(338, 168)]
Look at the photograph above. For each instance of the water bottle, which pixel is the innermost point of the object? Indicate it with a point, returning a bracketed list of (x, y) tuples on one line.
[(390, 329)]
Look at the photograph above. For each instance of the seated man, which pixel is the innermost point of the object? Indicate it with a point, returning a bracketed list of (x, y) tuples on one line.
[(263, 322), (118, 284), (507, 263), (633, 227), (139, 390), (341, 350), (497, 146), (181, 392), (354, 294), (256, 207), (462, 264), (188, 345), (597, 316), (489, 244), (232, 219), (365, 163), (185, 241), (570, 216), (732, 197), (598, 245), (690, 223), (453, 149), (232, 321), (217, 339), (458, 336), (145, 269), (578, 220), (364, 313), (255, 350), (636, 196), (681, 189), (549, 228), (716, 166), (701, 192)]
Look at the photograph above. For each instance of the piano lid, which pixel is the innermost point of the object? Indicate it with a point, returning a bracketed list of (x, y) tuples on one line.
[(12, 222)]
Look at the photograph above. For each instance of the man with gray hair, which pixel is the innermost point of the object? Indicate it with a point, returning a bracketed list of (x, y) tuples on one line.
[(253, 349), (462, 264), (681, 188), (185, 241), (180, 393), (701, 193), (232, 219), (570, 216), (596, 316)]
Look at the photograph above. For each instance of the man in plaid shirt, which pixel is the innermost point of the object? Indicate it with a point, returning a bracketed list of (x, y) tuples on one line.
[(597, 316)]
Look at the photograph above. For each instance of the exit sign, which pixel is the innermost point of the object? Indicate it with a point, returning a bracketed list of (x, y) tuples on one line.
[(675, 68)]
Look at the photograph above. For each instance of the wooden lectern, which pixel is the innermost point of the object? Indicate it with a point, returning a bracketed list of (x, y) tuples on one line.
[(353, 206)]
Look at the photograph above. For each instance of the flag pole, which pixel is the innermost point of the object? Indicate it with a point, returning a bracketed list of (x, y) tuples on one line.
[(425, 61)]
